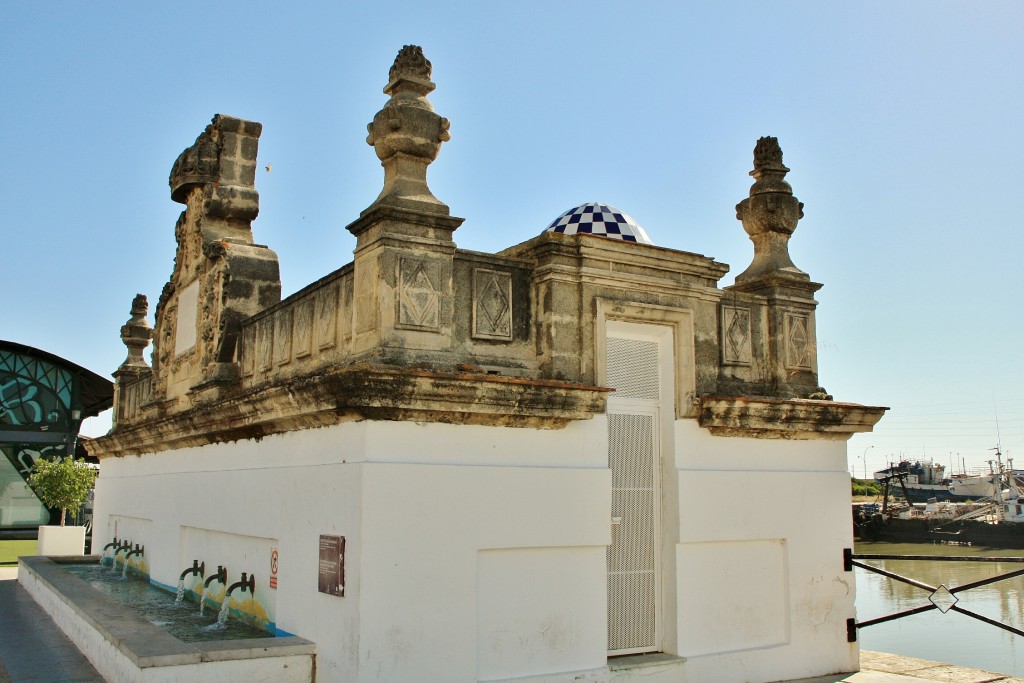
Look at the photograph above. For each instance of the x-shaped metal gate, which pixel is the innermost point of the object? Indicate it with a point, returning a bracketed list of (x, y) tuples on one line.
[(941, 597)]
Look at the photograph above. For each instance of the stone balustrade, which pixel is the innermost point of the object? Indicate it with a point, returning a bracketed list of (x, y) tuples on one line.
[(309, 329)]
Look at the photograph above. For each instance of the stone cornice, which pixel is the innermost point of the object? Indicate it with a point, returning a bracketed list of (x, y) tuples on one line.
[(600, 253), (404, 216), (767, 418), (778, 286), (361, 392)]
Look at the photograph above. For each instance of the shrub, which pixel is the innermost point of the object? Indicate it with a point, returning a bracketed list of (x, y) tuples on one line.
[(63, 483), (866, 487)]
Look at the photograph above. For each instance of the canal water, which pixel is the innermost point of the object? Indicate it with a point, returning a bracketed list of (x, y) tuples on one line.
[(949, 637)]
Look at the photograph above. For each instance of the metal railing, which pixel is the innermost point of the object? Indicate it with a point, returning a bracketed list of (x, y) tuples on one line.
[(940, 597)]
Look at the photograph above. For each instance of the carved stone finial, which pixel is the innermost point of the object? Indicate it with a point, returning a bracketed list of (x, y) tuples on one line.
[(140, 306), (222, 159), (410, 62), (407, 135), (136, 334), (768, 155), (770, 215), (196, 165)]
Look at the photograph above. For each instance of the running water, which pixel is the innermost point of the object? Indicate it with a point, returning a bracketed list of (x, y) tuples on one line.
[(202, 600), (225, 607), (156, 605), (181, 592), (124, 569)]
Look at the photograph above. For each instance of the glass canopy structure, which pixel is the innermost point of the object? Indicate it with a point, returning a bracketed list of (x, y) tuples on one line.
[(43, 400)]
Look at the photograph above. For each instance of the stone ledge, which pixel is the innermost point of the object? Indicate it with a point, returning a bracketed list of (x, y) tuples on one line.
[(768, 418), (361, 392), (626, 663), (126, 643)]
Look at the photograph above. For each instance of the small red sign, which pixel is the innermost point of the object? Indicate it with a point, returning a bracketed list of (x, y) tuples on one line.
[(273, 568)]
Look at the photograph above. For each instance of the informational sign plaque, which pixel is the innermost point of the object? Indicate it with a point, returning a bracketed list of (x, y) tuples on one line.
[(332, 565)]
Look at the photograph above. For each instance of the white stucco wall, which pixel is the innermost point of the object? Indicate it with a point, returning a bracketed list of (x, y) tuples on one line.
[(761, 590), (478, 553), (286, 489), (421, 507)]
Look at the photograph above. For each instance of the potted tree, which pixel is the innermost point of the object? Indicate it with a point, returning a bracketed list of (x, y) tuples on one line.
[(64, 484)]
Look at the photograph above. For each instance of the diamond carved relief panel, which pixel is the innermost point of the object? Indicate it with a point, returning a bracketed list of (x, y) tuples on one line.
[(492, 304), (418, 300), (736, 345), (799, 346)]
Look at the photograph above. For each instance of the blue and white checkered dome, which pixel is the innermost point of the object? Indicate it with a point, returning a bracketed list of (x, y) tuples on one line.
[(595, 218)]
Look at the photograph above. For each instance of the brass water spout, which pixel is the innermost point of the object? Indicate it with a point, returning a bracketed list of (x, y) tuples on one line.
[(196, 568), (249, 583), (112, 544), (221, 575)]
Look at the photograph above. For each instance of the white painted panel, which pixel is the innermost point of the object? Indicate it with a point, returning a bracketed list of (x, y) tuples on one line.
[(237, 553), (422, 529), (805, 503), (732, 596), (188, 309), (536, 611)]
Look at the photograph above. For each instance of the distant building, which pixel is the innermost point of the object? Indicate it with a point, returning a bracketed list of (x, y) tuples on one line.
[(43, 400), (544, 464)]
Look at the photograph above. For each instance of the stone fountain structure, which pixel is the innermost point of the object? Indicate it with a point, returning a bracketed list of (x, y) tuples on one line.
[(535, 465)]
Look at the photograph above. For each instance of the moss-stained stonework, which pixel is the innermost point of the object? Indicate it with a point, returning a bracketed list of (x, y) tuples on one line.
[(768, 418), (417, 329)]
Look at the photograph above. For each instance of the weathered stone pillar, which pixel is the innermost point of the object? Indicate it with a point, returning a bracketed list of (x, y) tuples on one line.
[(770, 215), (403, 304), (136, 335), (220, 276)]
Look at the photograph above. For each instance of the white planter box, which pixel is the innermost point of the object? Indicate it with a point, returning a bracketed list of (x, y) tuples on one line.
[(61, 540)]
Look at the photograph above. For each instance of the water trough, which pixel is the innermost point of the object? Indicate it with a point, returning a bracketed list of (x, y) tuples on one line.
[(123, 646)]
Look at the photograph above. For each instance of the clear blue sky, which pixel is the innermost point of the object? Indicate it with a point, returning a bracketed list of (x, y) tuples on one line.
[(902, 123)]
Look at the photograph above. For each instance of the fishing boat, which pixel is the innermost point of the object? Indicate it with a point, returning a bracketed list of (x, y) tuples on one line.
[(924, 480), (996, 521), (974, 486), (920, 480)]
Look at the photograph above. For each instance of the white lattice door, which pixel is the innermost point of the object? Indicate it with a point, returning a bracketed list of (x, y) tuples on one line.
[(633, 369)]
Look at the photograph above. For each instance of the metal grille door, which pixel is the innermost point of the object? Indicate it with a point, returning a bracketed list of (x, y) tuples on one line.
[(633, 557), (633, 369)]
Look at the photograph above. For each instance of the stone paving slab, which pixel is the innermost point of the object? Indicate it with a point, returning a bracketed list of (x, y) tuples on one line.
[(32, 648), (895, 668)]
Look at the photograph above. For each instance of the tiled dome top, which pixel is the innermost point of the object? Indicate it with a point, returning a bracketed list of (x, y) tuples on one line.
[(599, 219)]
